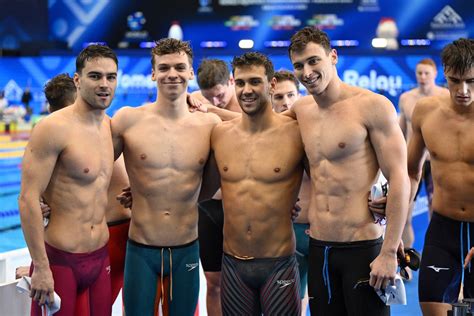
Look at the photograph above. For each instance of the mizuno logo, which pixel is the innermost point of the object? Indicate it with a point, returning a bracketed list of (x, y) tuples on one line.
[(285, 283), (437, 269), (191, 266)]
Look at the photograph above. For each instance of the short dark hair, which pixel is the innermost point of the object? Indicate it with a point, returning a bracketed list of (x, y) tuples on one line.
[(285, 75), (458, 56), (168, 46), (212, 72), (94, 51), (60, 92), (254, 59), (306, 35)]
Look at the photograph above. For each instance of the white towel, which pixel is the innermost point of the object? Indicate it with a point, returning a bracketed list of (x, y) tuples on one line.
[(394, 294), (24, 286), (379, 189)]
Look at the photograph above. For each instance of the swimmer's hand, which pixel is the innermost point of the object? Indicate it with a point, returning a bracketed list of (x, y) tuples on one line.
[(45, 209), (468, 259), (295, 211), (377, 208), (401, 250), (203, 107), (378, 205), (383, 270), (42, 285), (125, 197), (193, 103), (22, 271)]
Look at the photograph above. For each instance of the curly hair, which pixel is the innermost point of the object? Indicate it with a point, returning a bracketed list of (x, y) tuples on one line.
[(254, 59), (168, 46)]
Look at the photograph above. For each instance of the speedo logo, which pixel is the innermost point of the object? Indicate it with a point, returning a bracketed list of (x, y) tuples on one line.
[(191, 266), (285, 283)]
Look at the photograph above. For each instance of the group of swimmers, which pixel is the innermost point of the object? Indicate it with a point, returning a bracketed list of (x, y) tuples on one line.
[(321, 155)]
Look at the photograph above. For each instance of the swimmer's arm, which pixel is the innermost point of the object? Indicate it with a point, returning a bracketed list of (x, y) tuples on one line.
[(306, 166), (120, 183), (206, 107), (39, 160), (224, 114), (416, 150), (118, 124), (389, 145), (289, 113), (301, 102), (210, 179), (194, 100), (402, 120)]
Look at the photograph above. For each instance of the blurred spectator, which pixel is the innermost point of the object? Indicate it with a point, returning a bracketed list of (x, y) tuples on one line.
[(26, 99), (3, 103), (12, 115)]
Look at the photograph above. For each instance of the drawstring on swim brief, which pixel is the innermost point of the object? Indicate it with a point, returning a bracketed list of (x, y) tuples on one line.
[(468, 246), (326, 272), (468, 237), (171, 275)]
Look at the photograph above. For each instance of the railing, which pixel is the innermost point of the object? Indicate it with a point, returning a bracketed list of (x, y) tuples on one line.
[(12, 302)]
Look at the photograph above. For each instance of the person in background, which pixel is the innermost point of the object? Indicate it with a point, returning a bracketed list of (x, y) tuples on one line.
[(426, 86)]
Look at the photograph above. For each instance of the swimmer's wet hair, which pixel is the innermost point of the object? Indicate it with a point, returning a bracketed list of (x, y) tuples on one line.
[(60, 92), (307, 35), (166, 46), (254, 59), (285, 75), (458, 56), (94, 51), (212, 72)]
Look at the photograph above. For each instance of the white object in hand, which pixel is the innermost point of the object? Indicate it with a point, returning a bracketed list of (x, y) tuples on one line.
[(394, 293), (24, 286), (379, 188)]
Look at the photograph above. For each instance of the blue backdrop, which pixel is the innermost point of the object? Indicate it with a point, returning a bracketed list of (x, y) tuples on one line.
[(78, 21)]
